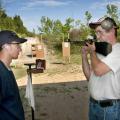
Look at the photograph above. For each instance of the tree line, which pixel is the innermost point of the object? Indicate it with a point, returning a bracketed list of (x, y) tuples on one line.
[(13, 23), (54, 31)]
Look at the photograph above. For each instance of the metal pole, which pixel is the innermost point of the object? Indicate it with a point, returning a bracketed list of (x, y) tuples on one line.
[(32, 110), (30, 73)]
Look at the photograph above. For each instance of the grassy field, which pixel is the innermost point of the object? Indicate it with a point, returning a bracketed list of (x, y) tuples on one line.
[(19, 72)]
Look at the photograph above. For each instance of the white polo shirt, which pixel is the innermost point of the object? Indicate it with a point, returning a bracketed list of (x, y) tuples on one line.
[(107, 86)]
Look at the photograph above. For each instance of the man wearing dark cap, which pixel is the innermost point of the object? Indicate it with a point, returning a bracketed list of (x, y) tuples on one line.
[(103, 72), (10, 103)]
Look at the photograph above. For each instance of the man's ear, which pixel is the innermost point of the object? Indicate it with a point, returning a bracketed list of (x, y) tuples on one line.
[(112, 31), (5, 46)]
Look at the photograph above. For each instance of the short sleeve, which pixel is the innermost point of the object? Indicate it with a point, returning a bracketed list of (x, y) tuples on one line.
[(113, 59)]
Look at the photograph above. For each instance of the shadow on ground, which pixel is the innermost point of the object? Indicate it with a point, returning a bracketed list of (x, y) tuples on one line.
[(59, 101)]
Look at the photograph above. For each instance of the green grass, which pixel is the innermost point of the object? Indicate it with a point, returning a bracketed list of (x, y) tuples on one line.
[(76, 59), (19, 72)]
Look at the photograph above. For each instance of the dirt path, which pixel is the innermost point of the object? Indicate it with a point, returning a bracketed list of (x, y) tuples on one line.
[(60, 94)]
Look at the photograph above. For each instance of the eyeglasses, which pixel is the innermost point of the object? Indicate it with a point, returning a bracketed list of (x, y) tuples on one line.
[(99, 32)]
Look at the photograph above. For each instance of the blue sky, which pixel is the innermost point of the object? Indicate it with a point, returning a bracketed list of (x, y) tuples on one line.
[(31, 11)]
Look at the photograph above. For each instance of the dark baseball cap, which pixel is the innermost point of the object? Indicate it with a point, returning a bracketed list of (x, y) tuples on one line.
[(7, 36), (93, 25)]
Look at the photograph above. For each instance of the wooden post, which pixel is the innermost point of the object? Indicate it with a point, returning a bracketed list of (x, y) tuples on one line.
[(66, 51), (40, 51)]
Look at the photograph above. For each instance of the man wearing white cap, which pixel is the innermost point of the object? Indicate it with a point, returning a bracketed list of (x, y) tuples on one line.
[(10, 103), (103, 72)]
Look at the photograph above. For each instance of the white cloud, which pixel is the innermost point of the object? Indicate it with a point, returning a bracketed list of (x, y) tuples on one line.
[(117, 3), (8, 1), (49, 3), (101, 5)]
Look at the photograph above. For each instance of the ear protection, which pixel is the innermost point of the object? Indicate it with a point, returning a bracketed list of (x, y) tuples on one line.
[(108, 24)]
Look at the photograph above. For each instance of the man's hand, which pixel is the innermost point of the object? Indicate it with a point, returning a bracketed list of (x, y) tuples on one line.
[(91, 47), (85, 63), (84, 51)]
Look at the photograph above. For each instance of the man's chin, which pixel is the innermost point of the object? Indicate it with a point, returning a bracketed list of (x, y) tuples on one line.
[(15, 57)]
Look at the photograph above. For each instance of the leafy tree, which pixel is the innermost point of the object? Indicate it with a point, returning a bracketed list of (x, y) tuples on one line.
[(10, 23), (67, 25), (57, 28), (50, 27), (46, 25), (19, 27), (2, 13), (77, 23), (88, 16), (2, 16), (112, 11)]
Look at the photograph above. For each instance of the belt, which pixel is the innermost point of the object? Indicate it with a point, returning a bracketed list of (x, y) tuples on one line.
[(104, 103)]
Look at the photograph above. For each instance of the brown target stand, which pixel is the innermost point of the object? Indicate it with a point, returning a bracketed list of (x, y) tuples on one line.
[(66, 52), (40, 51), (40, 66), (40, 56)]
